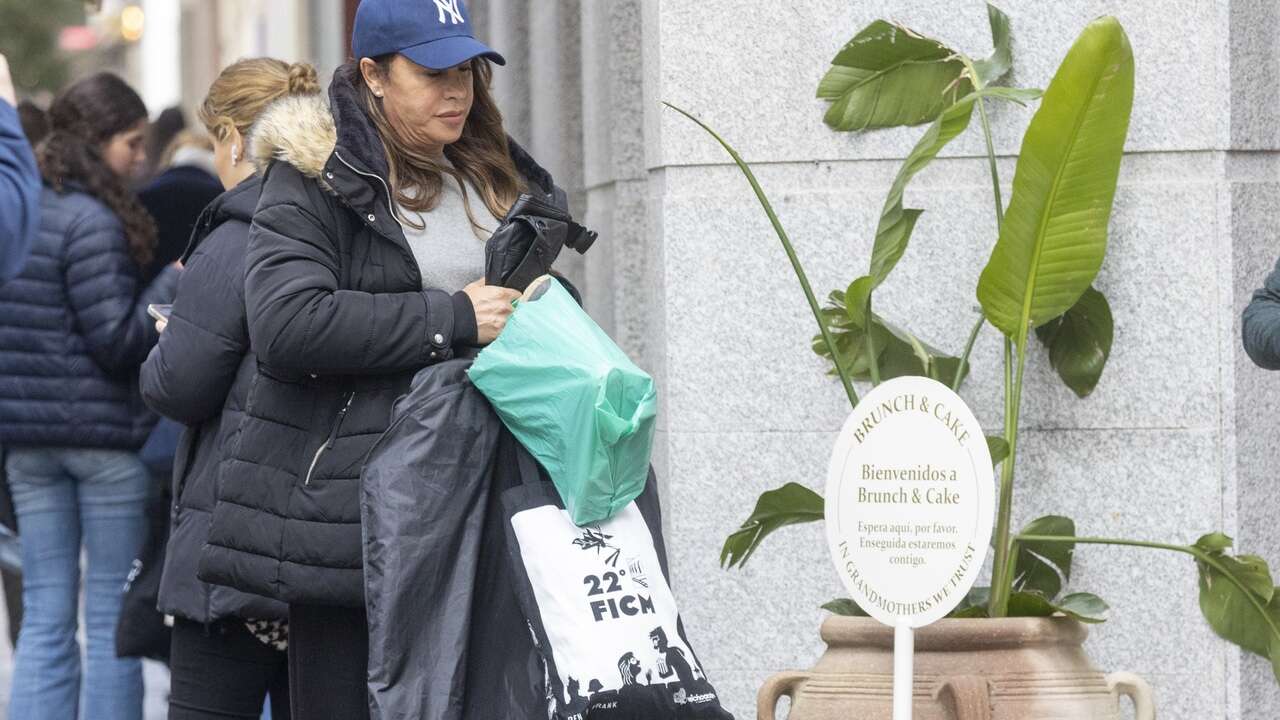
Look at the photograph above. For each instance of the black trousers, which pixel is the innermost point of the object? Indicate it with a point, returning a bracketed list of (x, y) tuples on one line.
[(222, 671), (328, 662)]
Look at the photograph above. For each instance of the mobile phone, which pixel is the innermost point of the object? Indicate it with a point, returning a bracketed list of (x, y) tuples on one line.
[(160, 312)]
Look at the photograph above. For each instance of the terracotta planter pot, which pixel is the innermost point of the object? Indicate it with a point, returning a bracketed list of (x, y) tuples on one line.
[(1009, 669)]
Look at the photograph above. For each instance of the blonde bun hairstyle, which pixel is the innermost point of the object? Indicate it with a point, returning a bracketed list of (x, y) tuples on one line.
[(246, 87)]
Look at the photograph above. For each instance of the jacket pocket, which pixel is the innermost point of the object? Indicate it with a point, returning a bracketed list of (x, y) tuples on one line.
[(331, 439)]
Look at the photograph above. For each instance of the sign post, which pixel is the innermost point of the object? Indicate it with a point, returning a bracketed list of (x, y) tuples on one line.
[(904, 648), (910, 504)]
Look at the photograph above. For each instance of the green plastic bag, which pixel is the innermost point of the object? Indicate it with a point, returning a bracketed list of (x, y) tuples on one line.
[(573, 399)]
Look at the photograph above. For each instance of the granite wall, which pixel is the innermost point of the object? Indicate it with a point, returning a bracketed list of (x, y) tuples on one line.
[(1177, 440)]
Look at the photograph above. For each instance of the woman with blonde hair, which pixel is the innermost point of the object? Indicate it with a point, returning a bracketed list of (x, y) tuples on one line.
[(228, 646), (362, 270)]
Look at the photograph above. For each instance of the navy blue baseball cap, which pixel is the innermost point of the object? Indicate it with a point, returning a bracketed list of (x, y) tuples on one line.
[(435, 34)]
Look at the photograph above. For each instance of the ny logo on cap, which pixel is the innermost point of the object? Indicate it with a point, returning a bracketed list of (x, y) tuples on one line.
[(451, 7)]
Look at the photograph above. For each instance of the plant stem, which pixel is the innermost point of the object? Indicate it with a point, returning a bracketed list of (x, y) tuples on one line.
[(968, 348), (873, 362), (791, 254), (1107, 541), (1191, 550), (1002, 573), (991, 160)]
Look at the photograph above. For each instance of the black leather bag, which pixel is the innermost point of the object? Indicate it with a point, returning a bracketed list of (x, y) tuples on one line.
[(529, 240), (141, 630)]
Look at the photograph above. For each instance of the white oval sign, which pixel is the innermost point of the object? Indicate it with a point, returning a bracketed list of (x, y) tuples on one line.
[(910, 501)]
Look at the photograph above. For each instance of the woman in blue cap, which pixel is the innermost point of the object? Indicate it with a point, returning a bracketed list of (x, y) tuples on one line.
[(361, 270)]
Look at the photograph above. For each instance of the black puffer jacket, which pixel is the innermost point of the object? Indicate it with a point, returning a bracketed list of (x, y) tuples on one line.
[(74, 329), (199, 374), (340, 323)]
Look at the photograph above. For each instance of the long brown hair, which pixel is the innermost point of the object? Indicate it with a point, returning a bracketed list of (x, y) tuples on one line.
[(480, 156), (83, 117), (246, 87)]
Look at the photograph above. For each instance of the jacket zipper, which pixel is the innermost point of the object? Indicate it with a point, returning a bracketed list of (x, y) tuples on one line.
[(390, 204), (333, 437)]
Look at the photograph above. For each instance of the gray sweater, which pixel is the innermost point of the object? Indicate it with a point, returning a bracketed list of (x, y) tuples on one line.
[(449, 249)]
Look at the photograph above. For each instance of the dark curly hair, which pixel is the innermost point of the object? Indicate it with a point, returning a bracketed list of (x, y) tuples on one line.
[(81, 119)]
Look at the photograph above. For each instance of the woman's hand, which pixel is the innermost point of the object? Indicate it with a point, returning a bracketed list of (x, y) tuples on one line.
[(493, 306)]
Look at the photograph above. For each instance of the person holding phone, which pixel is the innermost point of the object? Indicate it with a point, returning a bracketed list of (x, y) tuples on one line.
[(361, 270), (76, 330), (228, 646), (161, 315)]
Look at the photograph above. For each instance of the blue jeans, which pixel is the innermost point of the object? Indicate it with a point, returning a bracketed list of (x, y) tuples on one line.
[(66, 499)]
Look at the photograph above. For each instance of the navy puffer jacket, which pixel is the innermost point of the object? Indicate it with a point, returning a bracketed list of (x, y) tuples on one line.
[(74, 330)]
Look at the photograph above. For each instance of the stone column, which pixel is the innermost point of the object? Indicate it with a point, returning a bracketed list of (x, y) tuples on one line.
[(1250, 225), (504, 25), (1178, 439), (554, 75), (614, 174), (540, 90)]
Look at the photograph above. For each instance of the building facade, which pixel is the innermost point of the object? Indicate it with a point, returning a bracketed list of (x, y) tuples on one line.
[(1179, 437), (1177, 440)]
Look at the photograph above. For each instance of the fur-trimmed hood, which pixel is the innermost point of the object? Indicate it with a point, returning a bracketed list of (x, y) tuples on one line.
[(298, 130)]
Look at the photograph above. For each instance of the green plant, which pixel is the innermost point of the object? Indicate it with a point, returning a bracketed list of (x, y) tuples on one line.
[(1050, 247)]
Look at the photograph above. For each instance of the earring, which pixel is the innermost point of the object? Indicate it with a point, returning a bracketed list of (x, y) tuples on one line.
[(377, 93), (235, 155)]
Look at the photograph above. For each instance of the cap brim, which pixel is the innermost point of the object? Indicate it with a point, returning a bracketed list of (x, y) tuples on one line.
[(450, 52)]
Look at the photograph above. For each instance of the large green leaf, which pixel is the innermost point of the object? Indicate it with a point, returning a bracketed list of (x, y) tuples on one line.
[(857, 297), (897, 351), (844, 606), (1079, 342), (788, 505), (893, 232), (905, 354), (1246, 611), (1084, 607), (1249, 569), (1054, 233), (1001, 59), (1043, 567), (974, 604), (896, 223), (1215, 542), (888, 76), (849, 338)]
